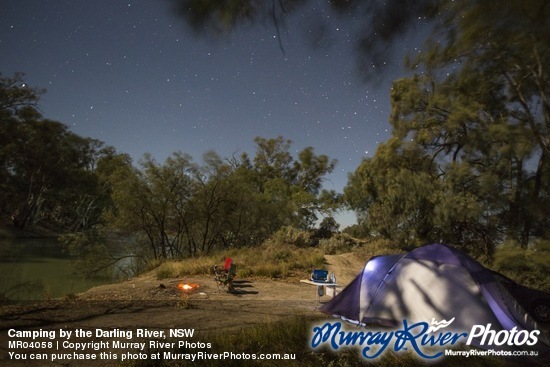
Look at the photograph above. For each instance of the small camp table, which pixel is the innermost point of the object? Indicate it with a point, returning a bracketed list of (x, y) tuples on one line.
[(322, 288)]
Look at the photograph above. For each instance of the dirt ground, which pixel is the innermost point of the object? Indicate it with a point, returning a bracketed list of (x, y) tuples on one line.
[(148, 303)]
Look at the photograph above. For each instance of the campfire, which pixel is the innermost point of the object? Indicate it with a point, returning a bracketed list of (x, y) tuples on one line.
[(187, 288)]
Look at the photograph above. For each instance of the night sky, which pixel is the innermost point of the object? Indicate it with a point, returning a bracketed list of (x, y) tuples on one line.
[(134, 75)]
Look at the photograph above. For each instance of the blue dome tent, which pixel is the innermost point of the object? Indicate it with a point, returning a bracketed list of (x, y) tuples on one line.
[(434, 282)]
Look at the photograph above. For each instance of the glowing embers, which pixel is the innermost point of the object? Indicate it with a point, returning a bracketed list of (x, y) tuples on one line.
[(188, 288)]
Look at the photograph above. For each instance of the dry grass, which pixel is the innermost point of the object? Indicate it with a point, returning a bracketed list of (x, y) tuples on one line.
[(530, 266), (377, 247), (269, 260), (291, 338)]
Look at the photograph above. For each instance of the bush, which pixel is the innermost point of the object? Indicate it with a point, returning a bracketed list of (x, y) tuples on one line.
[(338, 244), (378, 246), (292, 236), (530, 267), (269, 260)]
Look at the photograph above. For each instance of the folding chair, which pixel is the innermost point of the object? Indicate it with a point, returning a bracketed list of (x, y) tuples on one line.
[(224, 277)]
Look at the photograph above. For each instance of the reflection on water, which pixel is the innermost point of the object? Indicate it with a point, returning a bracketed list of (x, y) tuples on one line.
[(33, 269)]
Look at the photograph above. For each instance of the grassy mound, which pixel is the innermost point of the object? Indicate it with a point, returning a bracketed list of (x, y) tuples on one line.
[(269, 260)]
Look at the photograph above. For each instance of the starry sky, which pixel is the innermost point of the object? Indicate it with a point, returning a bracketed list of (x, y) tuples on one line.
[(134, 75)]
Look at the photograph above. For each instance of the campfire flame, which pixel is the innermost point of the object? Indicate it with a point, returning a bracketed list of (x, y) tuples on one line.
[(187, 287)]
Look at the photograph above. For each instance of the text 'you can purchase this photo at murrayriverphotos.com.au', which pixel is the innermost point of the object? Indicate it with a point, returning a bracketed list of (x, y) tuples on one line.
[(66, 345)]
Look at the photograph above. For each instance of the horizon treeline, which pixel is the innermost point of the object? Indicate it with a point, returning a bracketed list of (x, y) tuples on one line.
[(467, 164), (54, 178)]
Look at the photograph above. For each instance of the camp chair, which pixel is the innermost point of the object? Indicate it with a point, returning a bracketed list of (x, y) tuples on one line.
[(224, 277)]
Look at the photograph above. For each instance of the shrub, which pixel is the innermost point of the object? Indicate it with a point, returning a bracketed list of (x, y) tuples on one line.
[(269, 260), (338, 244), (292, 236), (530, 267), (377, 246)]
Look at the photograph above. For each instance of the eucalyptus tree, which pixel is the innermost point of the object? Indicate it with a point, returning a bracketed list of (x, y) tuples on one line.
[(151, 201), (486, 91), (476, 111), (292, 187), (46, 171), (392, 194)]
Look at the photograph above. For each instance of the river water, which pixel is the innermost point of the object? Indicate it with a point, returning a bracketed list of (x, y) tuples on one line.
[(35, 269)]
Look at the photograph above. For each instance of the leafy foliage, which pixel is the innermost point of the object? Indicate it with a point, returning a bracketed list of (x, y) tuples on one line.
[(380, 24), (47, 173), (467, 161), (186, 209), (338, 243), (529, 266)]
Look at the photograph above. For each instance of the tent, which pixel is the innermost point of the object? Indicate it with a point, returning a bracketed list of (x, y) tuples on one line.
[(434, 282)]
